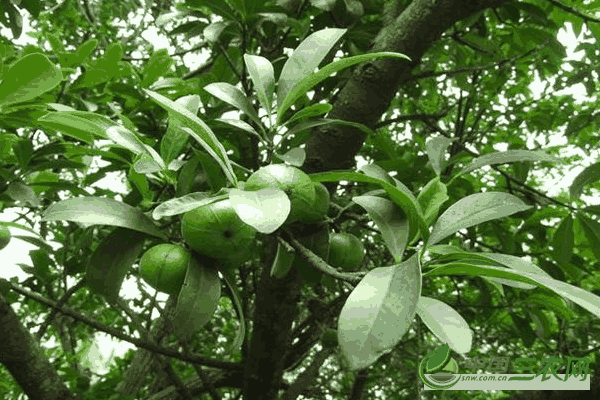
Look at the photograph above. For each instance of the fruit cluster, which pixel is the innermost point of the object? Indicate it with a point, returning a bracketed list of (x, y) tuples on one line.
[(215, 230)]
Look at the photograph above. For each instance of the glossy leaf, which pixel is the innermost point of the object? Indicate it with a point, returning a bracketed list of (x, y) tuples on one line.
[(311, 111), (265, 210), (234, 96), (401, 197), (295, 156), (197, 129), (473, 210), (175, 140), (431, 198), (508, 156), (588, 176), (27, 78), (585, 299), (101, 211), (306, 84), (390, 220), (563, 240), (448, 325), (22, 193), (180, 205), (262, 74), (199, 297), (436, 151), (591, 230), (80, 125), (111, 260), (303, 61), (378, 312)]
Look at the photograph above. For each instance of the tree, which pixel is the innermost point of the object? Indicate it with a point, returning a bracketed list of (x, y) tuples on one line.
[(487, 246)]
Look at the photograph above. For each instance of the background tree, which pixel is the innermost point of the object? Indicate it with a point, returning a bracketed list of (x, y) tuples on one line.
[(465, 92)]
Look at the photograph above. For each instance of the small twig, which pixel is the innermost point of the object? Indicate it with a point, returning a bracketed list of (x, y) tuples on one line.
[(318, 263)]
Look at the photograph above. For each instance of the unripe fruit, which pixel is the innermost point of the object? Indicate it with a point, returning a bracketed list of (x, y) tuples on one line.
[(215, 230), (329, 338), (321, 205), (5, 237), (295, 183), (164, 267), (346, 251)]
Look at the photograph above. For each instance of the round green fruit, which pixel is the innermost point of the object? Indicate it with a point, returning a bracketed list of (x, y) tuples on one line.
[(295, 183), (215, 230), (329, 338), (164, 267), (5, 237), (321, 205), (346, 251)]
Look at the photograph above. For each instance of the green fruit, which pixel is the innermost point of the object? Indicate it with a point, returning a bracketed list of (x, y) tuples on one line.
[(164, 267), (5, 237), (321, 205), (346, 251), (215, 230), (295, 183), (329, 338)]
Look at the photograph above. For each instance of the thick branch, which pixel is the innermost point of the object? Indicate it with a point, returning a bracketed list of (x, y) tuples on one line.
[(369, 93), (22, 356)]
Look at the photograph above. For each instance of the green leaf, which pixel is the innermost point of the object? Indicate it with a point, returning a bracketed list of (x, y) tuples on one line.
[(379, 311), (473, 210), (585, 299), (160, 61), (265, 210), (101, 211), (446, 324), (234, 96), (431, 198), (563, 240), (199, 297), (180, 205), (23, 149), (589, 175), (27, 78), (175, 140), (86, 50), (508, 156), (20, 192), (237, 302), (125, 138), (262, 74), (211, 170), (390, 220), (550, 301), (197, 129), (304, 60), (295, 156), (79, 125), (591, 230), (401, 197), (301, 87), (238, 123), (436, 151), (283, 262), (325, 5), (311, 111), (111, 260)]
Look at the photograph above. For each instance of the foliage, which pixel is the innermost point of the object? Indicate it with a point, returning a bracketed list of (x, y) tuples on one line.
[(463, 247)]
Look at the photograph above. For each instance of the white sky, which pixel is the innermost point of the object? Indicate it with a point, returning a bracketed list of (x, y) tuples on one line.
[(18, 251)]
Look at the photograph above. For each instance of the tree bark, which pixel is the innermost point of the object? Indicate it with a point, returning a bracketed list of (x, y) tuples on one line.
[(373, 85), (25, 360)]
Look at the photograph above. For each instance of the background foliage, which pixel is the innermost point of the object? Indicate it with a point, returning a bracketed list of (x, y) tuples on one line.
[(469, 80)]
